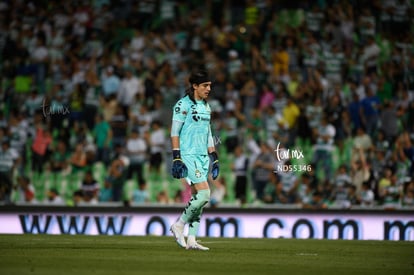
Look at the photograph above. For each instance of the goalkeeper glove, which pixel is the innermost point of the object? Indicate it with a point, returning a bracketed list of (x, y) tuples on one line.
[(179, 170), (215, 169)]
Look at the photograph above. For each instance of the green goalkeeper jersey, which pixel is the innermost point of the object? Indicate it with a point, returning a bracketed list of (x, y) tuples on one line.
[(195, 132)]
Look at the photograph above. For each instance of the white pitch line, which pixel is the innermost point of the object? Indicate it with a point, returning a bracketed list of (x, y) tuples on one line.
[(307, 254), (153, 242), (212, 242)]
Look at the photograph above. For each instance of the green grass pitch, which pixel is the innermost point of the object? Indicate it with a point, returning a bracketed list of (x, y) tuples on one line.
[(76, 255)]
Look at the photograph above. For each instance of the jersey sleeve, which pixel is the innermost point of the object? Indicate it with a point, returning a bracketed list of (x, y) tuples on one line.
[(176, 128), (180, 111), (210, 138)]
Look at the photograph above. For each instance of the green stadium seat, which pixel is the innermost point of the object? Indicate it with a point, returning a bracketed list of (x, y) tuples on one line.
[(129, 187), (99, 172)]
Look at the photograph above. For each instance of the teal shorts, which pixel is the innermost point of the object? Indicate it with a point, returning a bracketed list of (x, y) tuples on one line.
[(197, 166)]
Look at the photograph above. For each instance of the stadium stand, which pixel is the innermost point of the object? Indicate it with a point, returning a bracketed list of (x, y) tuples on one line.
[(329, 83)]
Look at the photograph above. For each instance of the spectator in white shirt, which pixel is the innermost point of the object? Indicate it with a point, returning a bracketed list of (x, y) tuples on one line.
[(40, 52), (366, 196), (141, 119), (136, 149), (157, 142), (40, 57), (240, 167), (53, 197), (324, 146), (129, 87), (371, 52), (25, 190)]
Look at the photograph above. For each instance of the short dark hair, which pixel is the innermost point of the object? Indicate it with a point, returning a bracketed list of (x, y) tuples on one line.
[(199, 76), (5, 141), (156, 122)]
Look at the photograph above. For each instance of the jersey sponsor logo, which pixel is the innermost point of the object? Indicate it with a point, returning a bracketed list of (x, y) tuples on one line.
[(196, 117)]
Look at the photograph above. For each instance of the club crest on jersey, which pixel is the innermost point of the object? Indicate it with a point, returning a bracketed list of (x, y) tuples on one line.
[(197, 173)]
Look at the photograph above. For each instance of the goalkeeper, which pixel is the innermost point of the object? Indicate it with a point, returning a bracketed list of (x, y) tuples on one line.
[(193, 148)]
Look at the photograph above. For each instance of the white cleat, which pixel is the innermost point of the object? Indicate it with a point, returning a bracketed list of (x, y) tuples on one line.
[(178, 231), (196, 246)]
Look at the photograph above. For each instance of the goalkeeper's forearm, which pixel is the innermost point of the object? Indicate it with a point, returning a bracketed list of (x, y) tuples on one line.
[(175, 142), (175, 134)]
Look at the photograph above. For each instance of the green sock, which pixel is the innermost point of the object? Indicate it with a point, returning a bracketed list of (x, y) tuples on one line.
[(195, 224), (185, 215), (192, 211)]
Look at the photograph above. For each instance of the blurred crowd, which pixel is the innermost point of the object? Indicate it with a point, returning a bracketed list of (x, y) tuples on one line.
[(94, 81)]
